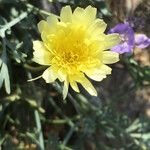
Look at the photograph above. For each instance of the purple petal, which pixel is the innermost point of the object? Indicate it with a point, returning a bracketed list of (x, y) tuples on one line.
[(142, 41), (123, 48), (121, 28)]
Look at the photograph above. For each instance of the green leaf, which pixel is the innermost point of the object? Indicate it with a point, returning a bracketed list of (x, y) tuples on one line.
[(5, 77), (1, 76), (134, 126)]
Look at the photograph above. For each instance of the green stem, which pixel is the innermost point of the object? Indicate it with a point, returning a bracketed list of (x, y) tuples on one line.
[(73, 101), (34, 69), (63, 121), (12, 23), (38, 124), (68, 136), (39, 10), (37, 117), (70, 123), (36, 78)]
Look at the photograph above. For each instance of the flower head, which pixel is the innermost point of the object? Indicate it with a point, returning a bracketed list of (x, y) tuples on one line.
[(73, 47), (127, 38)]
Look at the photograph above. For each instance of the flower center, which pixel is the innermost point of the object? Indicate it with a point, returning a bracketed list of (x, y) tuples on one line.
[(70, 57), (71, 50)]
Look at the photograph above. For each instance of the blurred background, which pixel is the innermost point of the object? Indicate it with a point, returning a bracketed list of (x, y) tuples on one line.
[(34, 116)]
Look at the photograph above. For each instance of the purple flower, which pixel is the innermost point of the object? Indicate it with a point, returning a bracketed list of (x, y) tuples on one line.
[(141, 41), (127, 35)]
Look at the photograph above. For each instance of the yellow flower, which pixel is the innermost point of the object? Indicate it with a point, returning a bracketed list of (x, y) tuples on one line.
[(75, 47)]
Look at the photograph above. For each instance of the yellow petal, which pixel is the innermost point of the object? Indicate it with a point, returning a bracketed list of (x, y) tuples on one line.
[(61, 75), (49, 75), (41, 55), (96, 77), (42, 26), (90, 14), (88, 86), (46, 30), (66, 14), (65, 88), (52, 20), (48, 26), (96, 74), (105, 69), (74, 86), (97, 27), (77, 16), (78, 12), (111, 40), (84, 16), (110, 57)]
